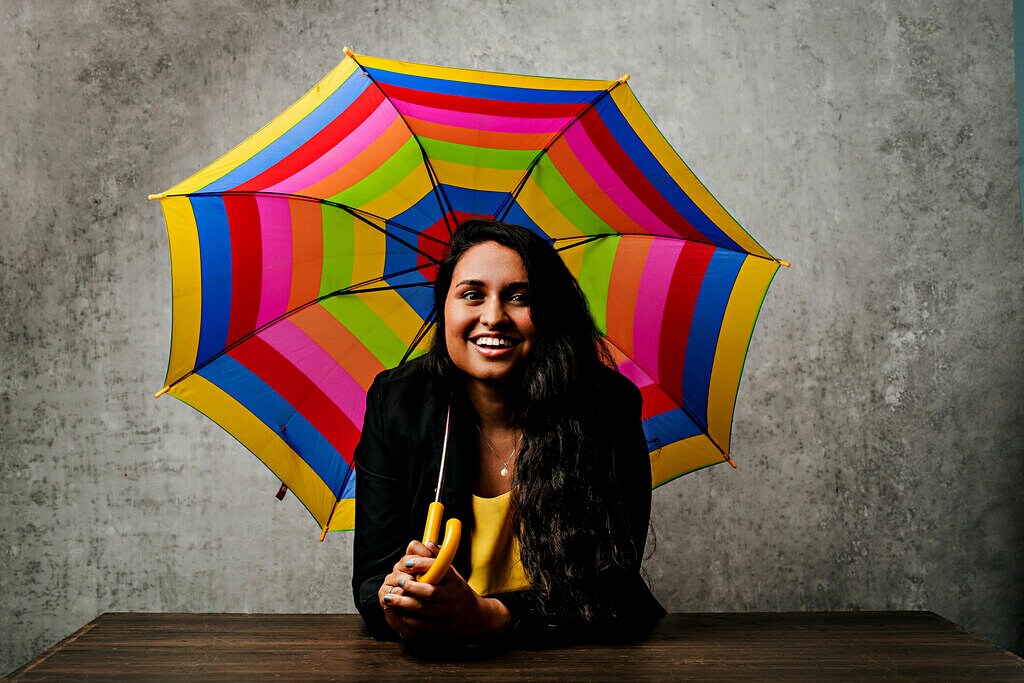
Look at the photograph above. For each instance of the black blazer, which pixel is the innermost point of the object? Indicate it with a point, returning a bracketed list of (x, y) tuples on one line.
[(397, 464)]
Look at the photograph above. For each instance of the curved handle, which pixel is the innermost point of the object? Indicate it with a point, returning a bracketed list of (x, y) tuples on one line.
[(452, 536)]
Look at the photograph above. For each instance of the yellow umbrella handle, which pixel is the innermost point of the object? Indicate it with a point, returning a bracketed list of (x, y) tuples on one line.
[(452, 536)]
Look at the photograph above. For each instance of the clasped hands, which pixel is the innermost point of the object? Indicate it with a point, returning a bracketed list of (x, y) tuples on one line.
[(449, 610)]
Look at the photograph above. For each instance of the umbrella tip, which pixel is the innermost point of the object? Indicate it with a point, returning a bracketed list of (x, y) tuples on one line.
[(161, 195), (784, 264), (624, 78), (161, 392), (348, 52)]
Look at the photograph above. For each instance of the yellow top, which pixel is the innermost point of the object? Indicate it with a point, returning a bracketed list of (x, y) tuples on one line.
[(496, 566)]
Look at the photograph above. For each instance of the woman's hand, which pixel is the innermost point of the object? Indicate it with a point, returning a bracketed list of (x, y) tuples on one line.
[(449, 610)]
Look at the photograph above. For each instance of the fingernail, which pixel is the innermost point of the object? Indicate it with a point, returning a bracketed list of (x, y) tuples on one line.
[(409, 563), (401, 583), (387, 599)]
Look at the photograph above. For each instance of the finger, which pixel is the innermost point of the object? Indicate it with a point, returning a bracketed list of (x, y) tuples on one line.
[(416, 589), (417, 548), (405, 603), (413, 564)]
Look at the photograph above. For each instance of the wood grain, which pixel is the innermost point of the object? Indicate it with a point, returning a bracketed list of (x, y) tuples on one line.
[(791, 646)]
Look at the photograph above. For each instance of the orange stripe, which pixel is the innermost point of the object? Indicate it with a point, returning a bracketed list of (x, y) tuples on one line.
[(623, 289), (478, 138), (575, 174), (339, 343), (365, 163), (307, 251)]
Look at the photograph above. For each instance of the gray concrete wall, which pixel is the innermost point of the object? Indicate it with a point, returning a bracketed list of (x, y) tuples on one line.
[(879, 424)]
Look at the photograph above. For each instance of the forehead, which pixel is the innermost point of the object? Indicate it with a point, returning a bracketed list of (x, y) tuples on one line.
[(490, 262)]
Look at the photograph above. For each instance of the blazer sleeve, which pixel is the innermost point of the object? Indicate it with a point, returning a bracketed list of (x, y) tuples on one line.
[(380, 530)]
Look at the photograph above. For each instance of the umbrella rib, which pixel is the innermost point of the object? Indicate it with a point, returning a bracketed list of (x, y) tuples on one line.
[(358, 288), (435, 185), (686, 411), (427, 324), (506, 204), (356, 213)]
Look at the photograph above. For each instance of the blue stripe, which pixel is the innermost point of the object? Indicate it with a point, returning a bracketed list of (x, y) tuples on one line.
[(708, 313), (215, 268), (418, 217), (349, 488), (330, 109), (500, 93), (669, 427), (479, 202), (658, 176), (266, 404), (516, 216)]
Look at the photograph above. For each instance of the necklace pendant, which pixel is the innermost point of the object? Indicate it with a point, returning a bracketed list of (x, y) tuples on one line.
[(504, 471)]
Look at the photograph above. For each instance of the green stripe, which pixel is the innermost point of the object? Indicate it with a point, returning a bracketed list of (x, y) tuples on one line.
[(596, 275), (384, 178), (481, 157), (565, 199), (339, 246), (352, 312)]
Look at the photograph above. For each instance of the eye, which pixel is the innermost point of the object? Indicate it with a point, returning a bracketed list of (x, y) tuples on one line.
[(520, 298), (471, 295)]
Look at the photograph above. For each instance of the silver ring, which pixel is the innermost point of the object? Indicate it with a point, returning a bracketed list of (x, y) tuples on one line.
[(390, 588)]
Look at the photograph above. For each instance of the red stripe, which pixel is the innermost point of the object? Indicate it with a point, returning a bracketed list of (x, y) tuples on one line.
[(675, 325), (655, 401), (634, 178), (478, 105), (318, 145), (300, 392), (436, 249), (246, 264)]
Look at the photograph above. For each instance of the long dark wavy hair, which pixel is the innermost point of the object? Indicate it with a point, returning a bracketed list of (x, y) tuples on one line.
[(574, 541)]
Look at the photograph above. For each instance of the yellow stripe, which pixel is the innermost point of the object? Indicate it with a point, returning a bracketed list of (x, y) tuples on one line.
[(737, 328), (486, 77), (680, 172), (270, 132), (393, 311), (574, 260), (399, 197), (476, 177), (344, 518), (186, 286), (684, 456), (541, 211), (264, 443), (370, 246)]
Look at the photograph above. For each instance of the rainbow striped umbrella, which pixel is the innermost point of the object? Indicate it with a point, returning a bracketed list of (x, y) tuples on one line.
[(302, 260)]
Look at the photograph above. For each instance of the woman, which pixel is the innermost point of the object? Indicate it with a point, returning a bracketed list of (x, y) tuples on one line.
[(548, 467)]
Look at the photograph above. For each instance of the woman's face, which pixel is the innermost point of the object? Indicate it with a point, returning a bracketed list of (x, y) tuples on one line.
[(488, 328)]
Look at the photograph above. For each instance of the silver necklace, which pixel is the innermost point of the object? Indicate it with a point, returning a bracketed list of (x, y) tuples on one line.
[(504, 463)]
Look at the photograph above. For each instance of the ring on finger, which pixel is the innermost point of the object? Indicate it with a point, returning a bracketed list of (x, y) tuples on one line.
[(390, 588)]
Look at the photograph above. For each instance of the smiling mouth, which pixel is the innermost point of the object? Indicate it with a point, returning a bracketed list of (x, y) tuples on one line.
[(494, 342)]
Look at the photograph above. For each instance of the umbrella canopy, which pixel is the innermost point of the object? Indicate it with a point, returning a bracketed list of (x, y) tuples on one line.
[(302, 260)]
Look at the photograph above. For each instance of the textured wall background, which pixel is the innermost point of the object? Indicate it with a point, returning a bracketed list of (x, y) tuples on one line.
[(879, 425)]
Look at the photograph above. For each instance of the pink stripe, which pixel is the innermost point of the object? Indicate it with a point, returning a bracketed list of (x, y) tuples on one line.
[(609, 181), (654, 285), (318, 365), (276, 235), (634, 374), (342, 153), (497, 124)]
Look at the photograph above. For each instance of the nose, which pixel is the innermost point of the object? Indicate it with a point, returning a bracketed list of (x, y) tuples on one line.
[(493, 312)]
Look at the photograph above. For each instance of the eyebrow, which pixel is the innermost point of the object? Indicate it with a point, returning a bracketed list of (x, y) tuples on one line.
[(480, 283)]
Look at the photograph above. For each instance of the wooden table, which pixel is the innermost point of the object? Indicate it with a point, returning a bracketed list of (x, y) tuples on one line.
[(804, 646)]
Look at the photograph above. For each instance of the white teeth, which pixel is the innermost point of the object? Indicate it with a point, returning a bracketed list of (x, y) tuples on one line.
[(493, 342)]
